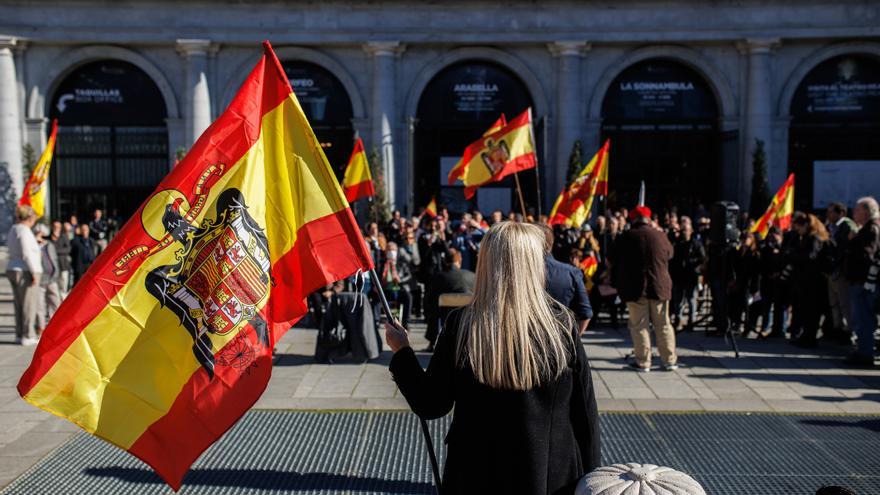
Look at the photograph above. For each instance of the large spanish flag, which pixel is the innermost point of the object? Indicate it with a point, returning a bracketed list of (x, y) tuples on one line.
[(508, 150), (34, 193), (573, 205), (168, 339), (357, 182), (780, 210)]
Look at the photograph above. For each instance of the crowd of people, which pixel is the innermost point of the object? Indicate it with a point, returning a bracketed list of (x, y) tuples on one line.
[(45, 261), (813, 282)]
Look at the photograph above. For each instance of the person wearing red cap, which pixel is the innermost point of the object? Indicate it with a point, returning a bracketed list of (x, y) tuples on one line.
[(640, 272)]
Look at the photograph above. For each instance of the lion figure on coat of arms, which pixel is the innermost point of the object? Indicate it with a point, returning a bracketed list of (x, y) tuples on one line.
[(220, 280)]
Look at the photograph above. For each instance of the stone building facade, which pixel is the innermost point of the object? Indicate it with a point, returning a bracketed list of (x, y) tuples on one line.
[(683, 89)]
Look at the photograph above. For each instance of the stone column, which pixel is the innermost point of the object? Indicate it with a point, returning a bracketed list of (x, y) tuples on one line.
[(759, 110), (569, 114), (197, 97), (10, 121), (383, 114)]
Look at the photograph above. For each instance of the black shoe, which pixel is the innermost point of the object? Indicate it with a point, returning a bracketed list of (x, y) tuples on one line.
[(636, 367)]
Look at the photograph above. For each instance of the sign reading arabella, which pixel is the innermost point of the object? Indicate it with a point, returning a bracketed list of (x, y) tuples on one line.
[(476, 97), (108, 92), (659, 90), (841, 87), (472, 92)]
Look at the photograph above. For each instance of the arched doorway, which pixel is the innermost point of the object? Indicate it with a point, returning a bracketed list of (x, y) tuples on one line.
[(661, 117), (835, 120), (328, 108), (112, 146), (454, 110)]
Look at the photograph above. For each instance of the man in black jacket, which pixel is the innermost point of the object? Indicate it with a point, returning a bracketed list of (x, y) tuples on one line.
[(689, 255), (83, 251), (839, 227), (62, 250), (454, 280), (861, 269), (565, 284), (641, 275)]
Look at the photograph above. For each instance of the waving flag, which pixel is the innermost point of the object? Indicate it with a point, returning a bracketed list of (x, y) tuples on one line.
[(459, 168), (34, 194), (168, 340), (780, 210), (431, 208), (573, 206), (357, 182), (589, 265), (496, 126), (508, 150)]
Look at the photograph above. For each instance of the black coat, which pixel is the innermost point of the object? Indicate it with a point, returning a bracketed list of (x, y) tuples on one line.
[(535, 442), (640, 267), (452, 281), (82, 253)]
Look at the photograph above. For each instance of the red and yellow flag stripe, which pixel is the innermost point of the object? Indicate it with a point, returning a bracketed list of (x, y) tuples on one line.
[(431, 208), (118, 361), (357, 182), (34, 193), (459, 169), (508, 150), (589, 265), (572, 207), (780, 210)]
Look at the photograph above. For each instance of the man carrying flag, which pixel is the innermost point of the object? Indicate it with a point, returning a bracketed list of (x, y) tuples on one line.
[(573, 206), (34, 194), (169, 340), (506, 151), (780, 210), (357, 182)]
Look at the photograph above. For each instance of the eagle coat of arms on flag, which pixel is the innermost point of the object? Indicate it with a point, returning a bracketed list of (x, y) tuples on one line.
[(221, 277)]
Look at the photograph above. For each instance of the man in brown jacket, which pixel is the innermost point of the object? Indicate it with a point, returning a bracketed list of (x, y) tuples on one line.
[(641, 276)]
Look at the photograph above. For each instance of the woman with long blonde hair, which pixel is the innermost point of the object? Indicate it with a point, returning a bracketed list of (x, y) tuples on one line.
[(513, 367)]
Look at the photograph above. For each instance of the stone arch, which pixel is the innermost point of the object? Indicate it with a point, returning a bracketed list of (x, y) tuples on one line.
[(63, 65), (812, 61), (493, 55), (687, 56), (305, 55)]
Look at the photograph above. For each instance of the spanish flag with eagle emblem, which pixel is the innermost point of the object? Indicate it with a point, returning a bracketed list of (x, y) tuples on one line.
[(506, 151), (572, 207), (357, 182), (167, 341), (34, 194), (779, 212)]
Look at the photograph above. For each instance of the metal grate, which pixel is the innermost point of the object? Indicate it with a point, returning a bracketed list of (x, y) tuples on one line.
[(382, 452)]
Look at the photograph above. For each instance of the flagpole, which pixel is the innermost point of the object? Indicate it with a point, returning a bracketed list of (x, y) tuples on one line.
[(522, 202), (535, 146)]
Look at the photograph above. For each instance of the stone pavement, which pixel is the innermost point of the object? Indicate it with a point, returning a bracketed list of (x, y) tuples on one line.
[(770, 376)]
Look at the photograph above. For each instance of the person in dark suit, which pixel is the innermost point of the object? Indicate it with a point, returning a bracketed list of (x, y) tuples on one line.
[(453, 280), (839, 227), (512, 366), (82, 252), (565, 283), (641, 276)]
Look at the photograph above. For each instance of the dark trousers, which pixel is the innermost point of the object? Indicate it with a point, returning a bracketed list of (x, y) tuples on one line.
[(684, 292), (773, 302), (404, 298), (806, 308)]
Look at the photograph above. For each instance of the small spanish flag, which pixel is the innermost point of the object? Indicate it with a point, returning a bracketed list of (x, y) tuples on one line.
[(589, 265), (573, 205), (431, 209), (357, 182), (168, 340), (780, 210), (508, 150), (34, 193)]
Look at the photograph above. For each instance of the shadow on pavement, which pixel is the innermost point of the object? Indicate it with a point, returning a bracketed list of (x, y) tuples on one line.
[(264, 479)]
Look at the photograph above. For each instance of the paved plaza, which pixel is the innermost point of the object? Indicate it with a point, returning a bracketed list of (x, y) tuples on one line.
[(769, 377)]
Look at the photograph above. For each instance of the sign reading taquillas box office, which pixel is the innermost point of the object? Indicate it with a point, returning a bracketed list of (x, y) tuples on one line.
[(108, 92), (844, 87)]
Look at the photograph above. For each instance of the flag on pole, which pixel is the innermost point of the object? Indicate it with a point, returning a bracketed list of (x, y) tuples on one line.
[(357, 182), (496, 126), (508, 150), (34, 193), (168, 339), (431, 208), (779, 212), (573, 205), (589, 265)]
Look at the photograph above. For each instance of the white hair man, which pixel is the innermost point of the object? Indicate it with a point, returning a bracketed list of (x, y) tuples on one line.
[(862, 267)]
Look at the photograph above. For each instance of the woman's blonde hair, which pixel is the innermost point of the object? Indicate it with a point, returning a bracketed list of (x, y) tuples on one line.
[(513, 334)]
